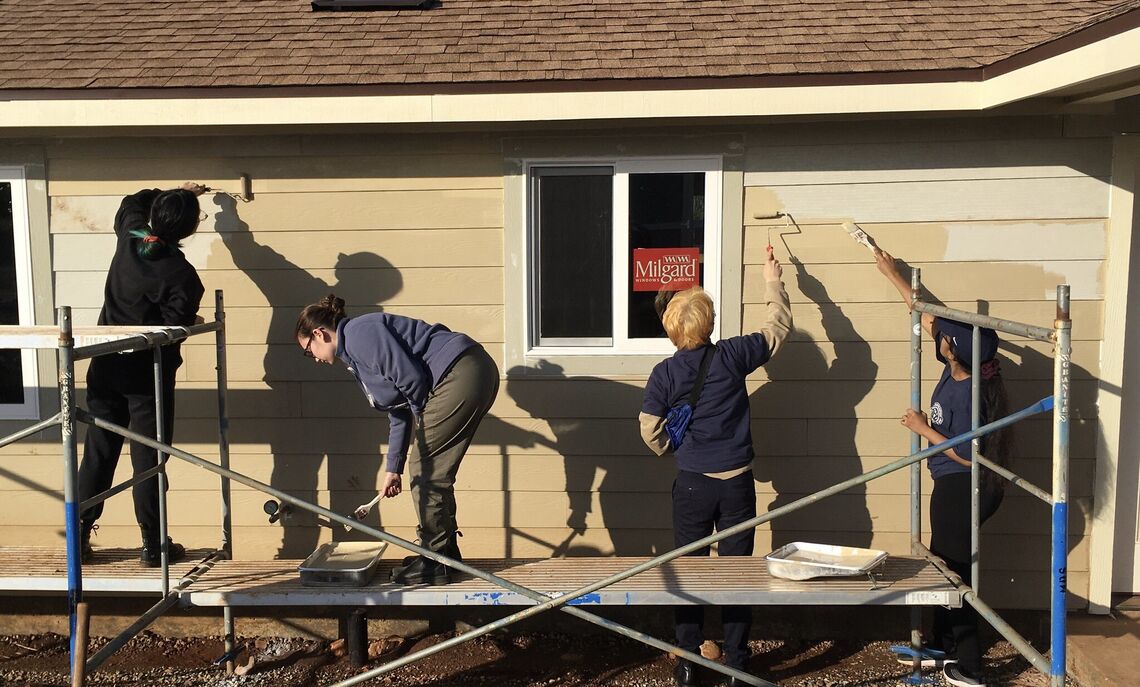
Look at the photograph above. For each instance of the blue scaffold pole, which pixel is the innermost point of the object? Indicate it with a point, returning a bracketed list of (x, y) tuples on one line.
[(1061, 392)]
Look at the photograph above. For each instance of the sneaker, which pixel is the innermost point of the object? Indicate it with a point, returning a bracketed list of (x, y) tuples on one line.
[(928, 657), (151, 557), (685, 674), (955, 676)]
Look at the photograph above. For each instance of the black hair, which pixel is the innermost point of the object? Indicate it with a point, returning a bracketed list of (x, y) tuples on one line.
[(998, 444), (327, 313), (173, 216)]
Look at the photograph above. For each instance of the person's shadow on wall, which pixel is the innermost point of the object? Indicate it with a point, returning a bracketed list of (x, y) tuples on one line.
[(837, 388), (622, 504), (363, 278)]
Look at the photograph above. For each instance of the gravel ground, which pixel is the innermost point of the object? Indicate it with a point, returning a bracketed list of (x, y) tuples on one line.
[(508, 660)]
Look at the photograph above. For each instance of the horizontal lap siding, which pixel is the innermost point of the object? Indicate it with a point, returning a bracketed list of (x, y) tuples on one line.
[(994, 226), (416, 224)]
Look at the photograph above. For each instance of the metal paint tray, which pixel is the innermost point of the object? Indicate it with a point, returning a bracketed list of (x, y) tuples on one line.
[(804, 560), (341, 564)]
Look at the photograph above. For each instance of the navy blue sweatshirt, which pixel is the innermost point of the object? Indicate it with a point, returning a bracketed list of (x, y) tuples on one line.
[(719, 437), (398, 361)]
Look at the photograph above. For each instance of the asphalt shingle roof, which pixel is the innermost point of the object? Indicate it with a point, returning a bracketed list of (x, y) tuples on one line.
[(83, 44)]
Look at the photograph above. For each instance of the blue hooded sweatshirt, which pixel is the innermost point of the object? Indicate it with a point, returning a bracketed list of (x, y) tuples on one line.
[(398, 361)]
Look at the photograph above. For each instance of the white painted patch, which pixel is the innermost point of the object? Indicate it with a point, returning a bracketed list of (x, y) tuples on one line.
[(1079, 240)]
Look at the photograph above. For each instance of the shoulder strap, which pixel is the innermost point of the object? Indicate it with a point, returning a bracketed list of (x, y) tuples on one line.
[(705, 360)]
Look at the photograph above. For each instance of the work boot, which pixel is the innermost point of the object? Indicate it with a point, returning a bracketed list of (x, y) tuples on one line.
[(685, 674), (86, 553), (151, 556), (421, 571), (450, 549)]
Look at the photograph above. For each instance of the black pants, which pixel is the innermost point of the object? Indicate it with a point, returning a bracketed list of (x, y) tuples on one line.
[(700, 505), (956, 629), (120, 389)]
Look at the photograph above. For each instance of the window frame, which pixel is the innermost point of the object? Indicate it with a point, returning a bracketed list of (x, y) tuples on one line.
[(25, 297), (621, 345)]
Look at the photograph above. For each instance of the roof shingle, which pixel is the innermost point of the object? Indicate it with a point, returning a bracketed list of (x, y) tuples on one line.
[(66, 44)]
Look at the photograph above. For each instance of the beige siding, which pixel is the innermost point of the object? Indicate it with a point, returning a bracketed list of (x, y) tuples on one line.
[(996, 214)]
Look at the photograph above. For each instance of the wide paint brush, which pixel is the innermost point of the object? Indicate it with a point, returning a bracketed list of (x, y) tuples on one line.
[(860, 236)]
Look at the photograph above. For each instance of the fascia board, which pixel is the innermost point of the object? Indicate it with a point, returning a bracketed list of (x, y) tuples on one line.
[(1097, 60)]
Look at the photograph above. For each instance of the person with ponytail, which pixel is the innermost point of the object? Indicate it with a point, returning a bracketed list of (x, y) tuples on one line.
[(955, 643), (149, 282), (436, 386)]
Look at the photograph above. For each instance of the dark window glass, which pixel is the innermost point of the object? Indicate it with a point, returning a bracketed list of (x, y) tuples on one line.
[(665, 211), (575, 252), (11, 371)]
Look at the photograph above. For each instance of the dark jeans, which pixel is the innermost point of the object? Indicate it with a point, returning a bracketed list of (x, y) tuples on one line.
[(701, 505), (956, 629), (120, 389)]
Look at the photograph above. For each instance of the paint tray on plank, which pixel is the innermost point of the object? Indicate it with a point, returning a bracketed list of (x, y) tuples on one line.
[(341, 564), (805, 560)]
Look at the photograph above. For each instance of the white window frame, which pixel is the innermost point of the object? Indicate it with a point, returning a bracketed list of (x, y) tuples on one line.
[(622, 344), (21, 229)]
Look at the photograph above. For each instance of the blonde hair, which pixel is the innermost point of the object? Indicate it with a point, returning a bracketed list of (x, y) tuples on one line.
[(689, 318)]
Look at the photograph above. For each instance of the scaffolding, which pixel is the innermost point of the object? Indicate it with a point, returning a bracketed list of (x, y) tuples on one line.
[(954, 592)]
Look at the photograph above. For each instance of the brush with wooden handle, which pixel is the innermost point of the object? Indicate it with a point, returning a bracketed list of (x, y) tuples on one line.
[(860, 236)]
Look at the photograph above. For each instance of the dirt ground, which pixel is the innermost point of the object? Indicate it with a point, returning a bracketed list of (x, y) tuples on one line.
[(508, 660)]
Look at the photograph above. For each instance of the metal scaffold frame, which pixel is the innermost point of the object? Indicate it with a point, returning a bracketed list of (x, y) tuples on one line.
[(122, 340), (1059, 335)]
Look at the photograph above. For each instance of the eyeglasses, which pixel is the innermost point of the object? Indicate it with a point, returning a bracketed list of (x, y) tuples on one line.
[(203, 216), (308, 352)]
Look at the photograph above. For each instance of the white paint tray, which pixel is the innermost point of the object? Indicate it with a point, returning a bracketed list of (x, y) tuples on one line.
[(805, 560), (341, 564)]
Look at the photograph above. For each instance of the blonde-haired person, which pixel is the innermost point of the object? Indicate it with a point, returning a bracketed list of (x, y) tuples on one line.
[(714, 487)]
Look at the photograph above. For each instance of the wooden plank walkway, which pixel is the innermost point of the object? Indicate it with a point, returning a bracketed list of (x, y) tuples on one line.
[(901, 580)]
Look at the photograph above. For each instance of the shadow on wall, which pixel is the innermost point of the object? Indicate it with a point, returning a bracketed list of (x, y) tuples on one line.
[(841, 385), (282, 282), (635, 526)]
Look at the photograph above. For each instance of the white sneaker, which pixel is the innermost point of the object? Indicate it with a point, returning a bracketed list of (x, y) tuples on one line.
[(929, 658), (956, 677)]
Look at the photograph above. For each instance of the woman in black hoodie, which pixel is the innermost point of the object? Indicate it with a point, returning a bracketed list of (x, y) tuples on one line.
[(149, 282)]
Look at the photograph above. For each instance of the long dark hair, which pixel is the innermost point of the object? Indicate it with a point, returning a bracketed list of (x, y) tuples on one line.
[(173, 216), (999, 444), (327, 313)]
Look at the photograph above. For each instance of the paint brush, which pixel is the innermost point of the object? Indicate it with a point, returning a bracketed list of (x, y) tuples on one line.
[(363, 510), (859, 235)]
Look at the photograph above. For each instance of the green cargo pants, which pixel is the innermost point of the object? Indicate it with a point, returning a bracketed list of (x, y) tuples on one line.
[(453, 411)]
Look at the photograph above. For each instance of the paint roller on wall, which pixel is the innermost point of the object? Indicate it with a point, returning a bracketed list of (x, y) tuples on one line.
[(246, 194)]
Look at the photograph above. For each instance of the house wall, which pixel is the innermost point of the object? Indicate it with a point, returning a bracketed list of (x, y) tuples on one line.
[(997, 212)]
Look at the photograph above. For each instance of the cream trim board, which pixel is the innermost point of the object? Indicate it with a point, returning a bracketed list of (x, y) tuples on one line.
[(1119, 272), (1103, 58), (21, 229)]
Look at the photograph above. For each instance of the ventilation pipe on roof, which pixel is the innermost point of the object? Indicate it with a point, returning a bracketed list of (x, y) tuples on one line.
[(319, 5)]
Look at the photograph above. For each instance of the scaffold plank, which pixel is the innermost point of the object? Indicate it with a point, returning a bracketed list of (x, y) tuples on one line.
[(902, 580), (44, 569)]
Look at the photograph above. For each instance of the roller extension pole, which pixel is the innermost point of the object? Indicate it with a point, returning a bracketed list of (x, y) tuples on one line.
[(1062, 358), (228, 634)]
